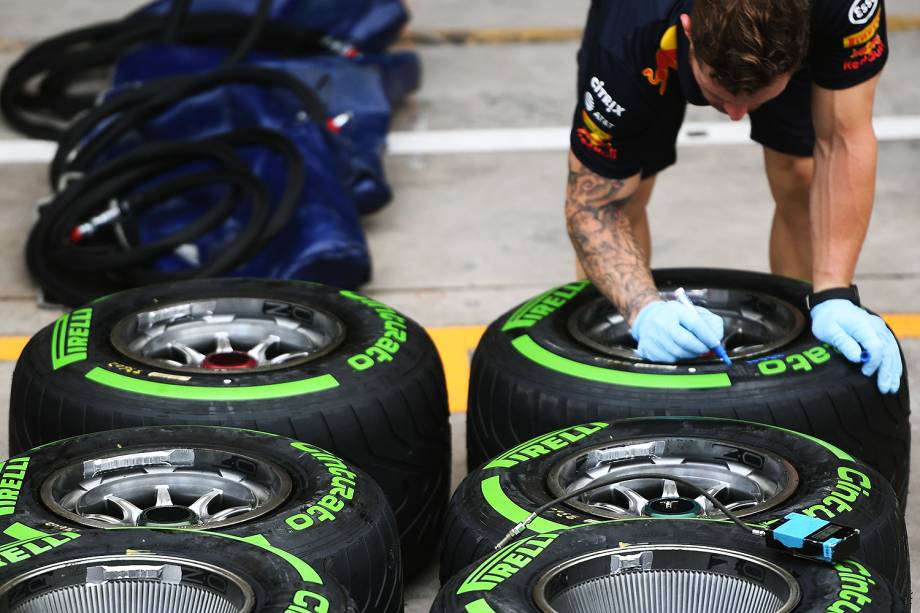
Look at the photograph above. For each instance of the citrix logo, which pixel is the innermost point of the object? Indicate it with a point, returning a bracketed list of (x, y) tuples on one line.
[(606, 99)]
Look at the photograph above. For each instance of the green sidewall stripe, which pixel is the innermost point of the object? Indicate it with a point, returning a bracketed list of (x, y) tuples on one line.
[(192, 392), (479, 606), (527, 347), (497, 499)]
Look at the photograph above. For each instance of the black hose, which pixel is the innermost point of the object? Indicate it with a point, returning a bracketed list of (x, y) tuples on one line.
[(87, 241), (134, 107), (73, 269), (36, 97)]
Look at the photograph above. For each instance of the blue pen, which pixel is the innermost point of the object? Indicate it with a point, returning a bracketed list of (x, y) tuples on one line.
[(684, 300)]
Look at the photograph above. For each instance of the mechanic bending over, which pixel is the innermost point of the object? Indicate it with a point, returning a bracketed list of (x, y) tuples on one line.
[(806, 72)]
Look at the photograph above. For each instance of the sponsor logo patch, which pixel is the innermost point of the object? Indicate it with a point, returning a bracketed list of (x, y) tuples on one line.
[(665, 60), (866, 54), (864, 35), (595, 139), (605, 99), (862, 10), (600, 119)]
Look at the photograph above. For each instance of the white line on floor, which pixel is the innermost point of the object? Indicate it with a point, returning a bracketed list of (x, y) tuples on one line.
[(554, 139), (431, 142)]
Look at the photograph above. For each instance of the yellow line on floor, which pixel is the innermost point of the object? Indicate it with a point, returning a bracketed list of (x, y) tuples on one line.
[(492, 36), (456, 345)]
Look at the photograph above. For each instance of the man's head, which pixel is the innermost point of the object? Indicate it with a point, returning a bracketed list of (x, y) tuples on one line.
[(743, 52)]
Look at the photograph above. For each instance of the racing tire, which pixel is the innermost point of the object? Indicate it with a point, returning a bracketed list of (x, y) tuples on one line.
[(645, 565), (761, 472), (564, 358), (351, 376), (238, 482), (150, 571)]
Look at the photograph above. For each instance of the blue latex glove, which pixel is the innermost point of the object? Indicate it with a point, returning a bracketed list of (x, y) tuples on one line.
[(667, 331), (850, 329)]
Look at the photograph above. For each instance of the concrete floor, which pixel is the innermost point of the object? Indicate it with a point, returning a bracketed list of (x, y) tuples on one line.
[(469, 236)]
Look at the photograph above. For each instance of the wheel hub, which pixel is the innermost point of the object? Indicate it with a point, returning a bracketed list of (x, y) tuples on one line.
[(146, 583), (755, 324), (188, 487), (228, 334), (672, 508), (229, 360), (666, 578), (745, 479)]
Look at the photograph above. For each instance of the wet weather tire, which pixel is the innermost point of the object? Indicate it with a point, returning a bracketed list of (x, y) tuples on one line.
[(299, 497), (760, 472), (370, 389), (537, 369), (95, 572), (636, 566)]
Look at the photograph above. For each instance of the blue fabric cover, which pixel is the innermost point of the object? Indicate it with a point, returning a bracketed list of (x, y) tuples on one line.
[(371, 25), (324, 242)]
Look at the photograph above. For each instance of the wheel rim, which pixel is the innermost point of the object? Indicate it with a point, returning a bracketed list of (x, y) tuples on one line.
[(755, 324), (122, 584), (184, 487), (745, 479), (667, 579), (227, 335)]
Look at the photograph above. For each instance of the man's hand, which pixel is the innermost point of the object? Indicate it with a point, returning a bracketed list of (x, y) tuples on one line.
[(850, 329), (667, 332)]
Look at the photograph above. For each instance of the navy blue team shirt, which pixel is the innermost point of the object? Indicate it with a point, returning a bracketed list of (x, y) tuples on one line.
[(634, 81)]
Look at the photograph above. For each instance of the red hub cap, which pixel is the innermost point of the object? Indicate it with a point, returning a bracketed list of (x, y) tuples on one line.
[(229, 360)]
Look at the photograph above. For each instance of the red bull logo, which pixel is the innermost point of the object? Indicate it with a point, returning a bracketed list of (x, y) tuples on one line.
[(595, 139), (665, 60)]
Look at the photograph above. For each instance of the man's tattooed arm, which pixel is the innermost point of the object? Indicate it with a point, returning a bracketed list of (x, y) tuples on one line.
[(603, 238)]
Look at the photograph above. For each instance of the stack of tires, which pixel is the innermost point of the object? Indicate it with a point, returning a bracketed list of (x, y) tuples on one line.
[(222, 445), (594, 472)]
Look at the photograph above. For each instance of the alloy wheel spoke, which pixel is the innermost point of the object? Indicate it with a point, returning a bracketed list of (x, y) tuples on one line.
[(163, 497), (284, 357), (705, 503), (669, 489), (223, 342), (200, 506), (226, 513), (193, 357), (131, 514), (260, 351), (105, 518), (636, 500), (611, 507)]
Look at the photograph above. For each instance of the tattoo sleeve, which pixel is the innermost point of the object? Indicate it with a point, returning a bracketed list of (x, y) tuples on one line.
[(604, 241)]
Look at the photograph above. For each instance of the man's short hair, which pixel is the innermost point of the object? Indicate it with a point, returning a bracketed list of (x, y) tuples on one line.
[(749, 43)]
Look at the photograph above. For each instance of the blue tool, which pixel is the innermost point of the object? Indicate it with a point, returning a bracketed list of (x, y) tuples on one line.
[(719, 349), (814, 538)]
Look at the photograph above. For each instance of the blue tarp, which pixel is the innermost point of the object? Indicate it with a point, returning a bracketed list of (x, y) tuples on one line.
[(324, 242)]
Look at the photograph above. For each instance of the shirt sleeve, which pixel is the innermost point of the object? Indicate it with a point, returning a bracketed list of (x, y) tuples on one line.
[(849, 42), (611, 116)]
